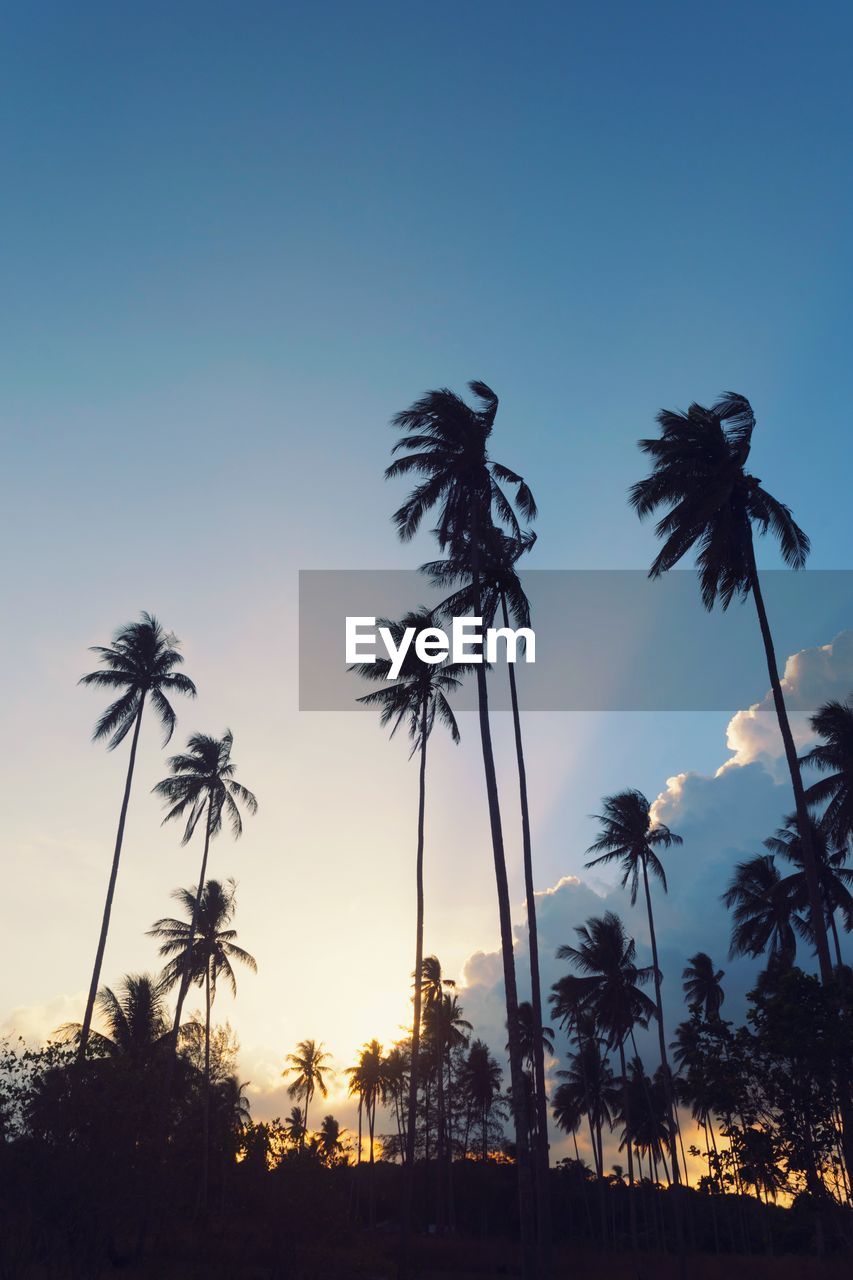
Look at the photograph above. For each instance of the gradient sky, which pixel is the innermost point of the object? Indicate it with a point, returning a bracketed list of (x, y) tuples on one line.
[(237, 238)]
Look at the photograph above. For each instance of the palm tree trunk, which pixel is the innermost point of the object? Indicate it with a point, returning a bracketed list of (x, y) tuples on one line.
[(816, 909), (664, 1061), (411, 1126), (626, 1109), (371, 1124), (108, 905), (206, 1129), (440, 1135), (541, 1161), (525, 1183), (839, 962), (186, 976)]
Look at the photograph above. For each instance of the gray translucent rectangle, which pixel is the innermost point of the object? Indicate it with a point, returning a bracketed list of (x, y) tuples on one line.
[(606, 640)]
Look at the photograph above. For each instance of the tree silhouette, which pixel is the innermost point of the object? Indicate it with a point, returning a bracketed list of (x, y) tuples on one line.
[(630, 837), (762, 912), (417, 699), (701, 982), (141, 663), (500, 590), (834, 757), (308, 1066), (481, 1085), (609, 987), (445, 440), (208, 956), (201, 783), (834, 875), (699, 474)]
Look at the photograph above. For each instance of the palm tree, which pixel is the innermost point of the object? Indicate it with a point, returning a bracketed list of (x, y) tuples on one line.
[(631, 837), (140, 662), (834, 875), (331, 1143), (702, 985), (609, 987), (294, 1127), (309, 1067), (395, 1088), (366, 1081), (433, 984), (135, 1020), (834, 757), (500, 588), (416, 699), (445, 440), (481, 1085), (698, 473), (763, 912), (202, 782), (208, 955)]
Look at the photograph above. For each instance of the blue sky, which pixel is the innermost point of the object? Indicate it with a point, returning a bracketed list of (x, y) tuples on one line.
[(237, 238)]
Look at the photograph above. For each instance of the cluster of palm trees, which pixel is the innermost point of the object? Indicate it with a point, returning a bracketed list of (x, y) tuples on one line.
[(200, 790), (443, 1088), (710, 506)]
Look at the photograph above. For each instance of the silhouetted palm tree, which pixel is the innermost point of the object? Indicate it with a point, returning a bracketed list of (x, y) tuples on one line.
[(294, 1127), (701, 982), (134, 1018), (445, 440), (309, 1067), (629, 836), (609, 983), (480, 1079), (836, 878), (330, 1140), (698, 473), (208, 955), (416, 699), (366, 1079), (501, 591), (141, 663), (201, 783), (762, 911), (834, 757)]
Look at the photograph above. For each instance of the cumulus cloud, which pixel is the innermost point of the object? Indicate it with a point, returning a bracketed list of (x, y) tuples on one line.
[(811, 677)]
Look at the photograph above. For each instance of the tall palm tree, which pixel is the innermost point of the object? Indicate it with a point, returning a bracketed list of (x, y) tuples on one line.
[(762, 912), (835, 877), (702, 985), (631, 837), (445, 440), (140, 663), (309, 1068), (833, 757), (610, 982), (417, 699), (202, 783), (208, 954), (713, 504), (501, 591)]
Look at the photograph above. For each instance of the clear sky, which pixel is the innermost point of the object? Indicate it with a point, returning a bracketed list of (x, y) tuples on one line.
[(237, 238)]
